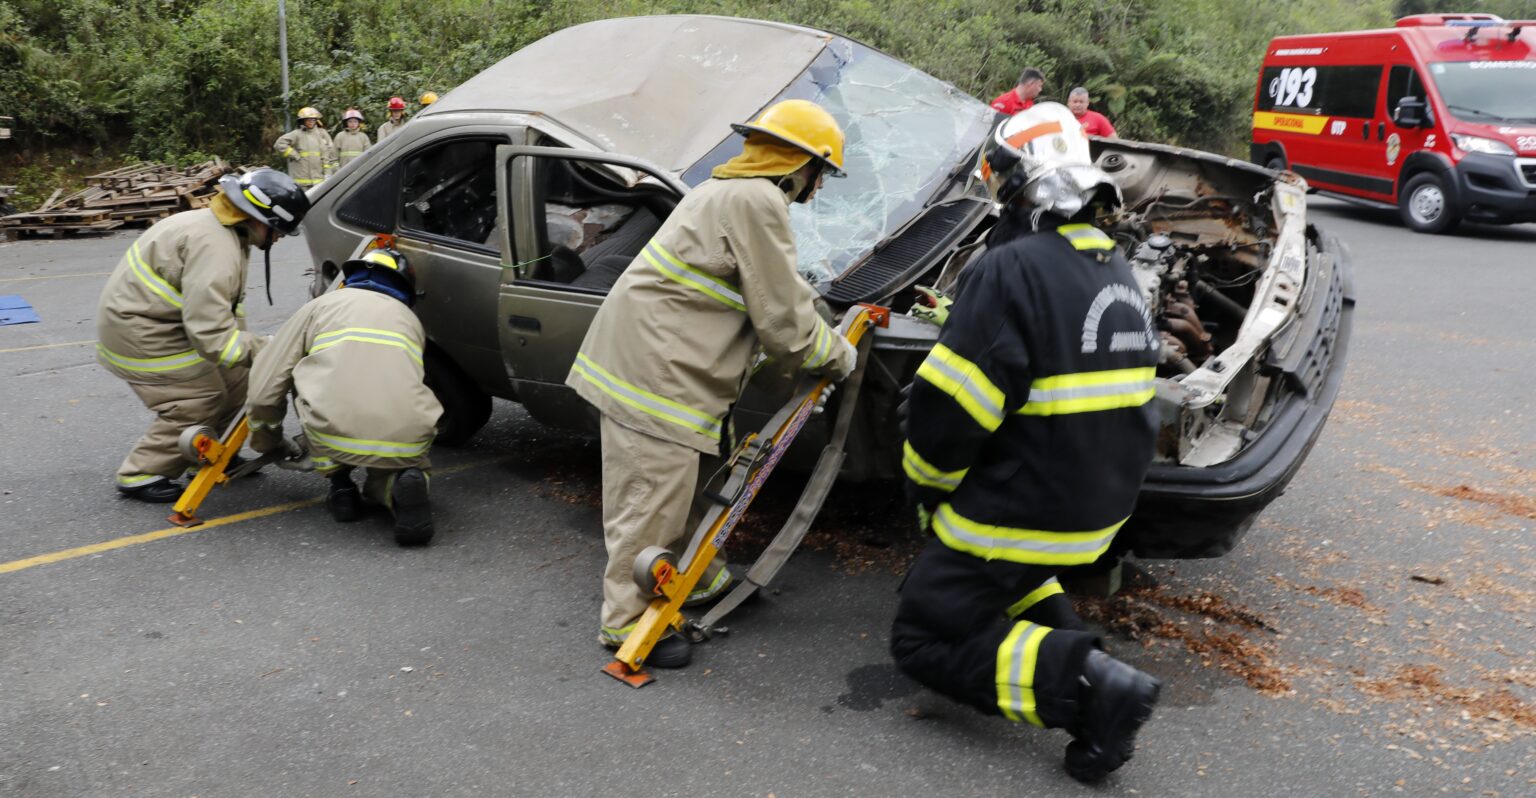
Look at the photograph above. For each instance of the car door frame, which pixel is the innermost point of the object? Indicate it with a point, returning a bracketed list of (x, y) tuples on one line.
[(541, 324)]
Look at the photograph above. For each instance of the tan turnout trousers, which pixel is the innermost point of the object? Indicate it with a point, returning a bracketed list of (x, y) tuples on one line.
[(649, 490), (213, 398)]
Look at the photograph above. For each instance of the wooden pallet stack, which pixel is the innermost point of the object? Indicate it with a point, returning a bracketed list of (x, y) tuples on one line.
[(138, 195)]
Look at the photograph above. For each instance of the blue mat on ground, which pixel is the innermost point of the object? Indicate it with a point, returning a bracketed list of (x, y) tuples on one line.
[(15, 310)]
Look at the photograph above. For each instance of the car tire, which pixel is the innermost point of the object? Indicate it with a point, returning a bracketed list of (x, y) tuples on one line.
[(466, 408), (1275, 161), (1427, 206)]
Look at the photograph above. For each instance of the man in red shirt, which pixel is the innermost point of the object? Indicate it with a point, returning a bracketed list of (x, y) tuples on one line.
[(1021, 97), (1093, 122)]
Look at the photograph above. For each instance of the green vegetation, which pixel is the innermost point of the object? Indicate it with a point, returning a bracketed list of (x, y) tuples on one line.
[(178, 79)]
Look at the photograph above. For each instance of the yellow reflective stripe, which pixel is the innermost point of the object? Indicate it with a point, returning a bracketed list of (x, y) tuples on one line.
[(366, 335), (823, 349), (1051, 587), (1085, 236), (232, 350), (252, 197), (307, 181), (150, 365), (138, 481), (240, 310), (152, 279), (712, 286), (258, 424), (309, 154), (1030, 546), (1090, 391), (323, 464), (714, 587), (645, 401), (965, 382), (351, 153), (369, 448), (288, 153), (1017, 657), (613, 635), (926, 474)]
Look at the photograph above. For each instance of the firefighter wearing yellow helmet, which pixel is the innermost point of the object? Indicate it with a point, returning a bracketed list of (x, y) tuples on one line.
[(674, 343), (310, 152), (428, 98)]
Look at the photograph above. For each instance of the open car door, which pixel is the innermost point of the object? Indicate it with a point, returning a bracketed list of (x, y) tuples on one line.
[(571, 222)]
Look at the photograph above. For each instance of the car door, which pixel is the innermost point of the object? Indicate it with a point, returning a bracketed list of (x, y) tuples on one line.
[(571, 222), (1403, 80)]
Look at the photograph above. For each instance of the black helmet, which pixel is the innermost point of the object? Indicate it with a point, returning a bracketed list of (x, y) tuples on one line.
[(384, 260), (268, 196)]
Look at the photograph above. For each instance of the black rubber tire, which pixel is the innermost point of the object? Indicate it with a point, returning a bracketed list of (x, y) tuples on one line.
[(1427, 206), (466, 408), (1275, 161)]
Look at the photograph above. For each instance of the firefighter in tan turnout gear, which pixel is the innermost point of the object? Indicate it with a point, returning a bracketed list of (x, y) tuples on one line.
[(172, 325), (351, 141), (310, 152), (673, 344), (353, 360), (395, 121), (1030, 430)]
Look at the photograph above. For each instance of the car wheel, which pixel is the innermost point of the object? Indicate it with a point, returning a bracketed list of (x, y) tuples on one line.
[(1427, 206), (466, 408)]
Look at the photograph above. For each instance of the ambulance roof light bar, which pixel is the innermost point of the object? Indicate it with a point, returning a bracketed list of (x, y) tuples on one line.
[(1449, 20)]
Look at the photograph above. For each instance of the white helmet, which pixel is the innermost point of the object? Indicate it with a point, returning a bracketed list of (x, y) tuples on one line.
[(1040, 156)]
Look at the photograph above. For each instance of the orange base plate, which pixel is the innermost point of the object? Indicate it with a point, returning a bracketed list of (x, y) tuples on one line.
[(635, 679)]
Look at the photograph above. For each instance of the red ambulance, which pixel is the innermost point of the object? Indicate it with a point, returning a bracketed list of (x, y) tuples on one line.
[(1435, 117)]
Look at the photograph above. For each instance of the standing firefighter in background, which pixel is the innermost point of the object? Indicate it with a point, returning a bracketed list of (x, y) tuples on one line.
[(1030, 429), (428, 98), (350, 142), (672, 347), (310, 152), (171, 321), (396, 119), (352, 358)]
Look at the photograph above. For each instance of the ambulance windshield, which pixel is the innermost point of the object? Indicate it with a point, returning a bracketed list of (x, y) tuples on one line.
[(1490, 92)]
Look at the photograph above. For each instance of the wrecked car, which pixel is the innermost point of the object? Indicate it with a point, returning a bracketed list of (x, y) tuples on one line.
[(522, 194)]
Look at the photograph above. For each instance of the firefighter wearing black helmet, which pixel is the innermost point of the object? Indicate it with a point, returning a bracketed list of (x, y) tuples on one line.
[(171, 319), (353, 359), (1030, 430)]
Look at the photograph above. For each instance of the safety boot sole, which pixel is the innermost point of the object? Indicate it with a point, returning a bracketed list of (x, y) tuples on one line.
[(412, 508)]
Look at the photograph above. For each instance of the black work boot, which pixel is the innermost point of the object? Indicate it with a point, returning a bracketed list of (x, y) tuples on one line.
[(344, 501), (672, 651), (162, 491), (1117, 700), (413, 509)]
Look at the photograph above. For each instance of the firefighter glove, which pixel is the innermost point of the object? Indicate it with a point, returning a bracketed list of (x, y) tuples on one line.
[(931, 305)]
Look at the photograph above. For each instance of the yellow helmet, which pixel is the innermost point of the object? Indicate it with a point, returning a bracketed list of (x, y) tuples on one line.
[(429, 98), (309, 112), (804, 125)]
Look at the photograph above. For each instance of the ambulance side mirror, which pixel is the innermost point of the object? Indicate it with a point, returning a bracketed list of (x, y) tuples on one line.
[(1412, 112)]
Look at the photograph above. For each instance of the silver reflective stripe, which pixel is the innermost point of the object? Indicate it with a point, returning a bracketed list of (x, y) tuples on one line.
[(707, 283), (1089, 392), (977, 395), (1035, 546), (644, 400)]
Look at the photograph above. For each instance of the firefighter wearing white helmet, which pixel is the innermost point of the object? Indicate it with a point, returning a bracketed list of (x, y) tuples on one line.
[(171, 321), (1030, 429), (310, 152), (351, 141), (353, 359), (673, 345)]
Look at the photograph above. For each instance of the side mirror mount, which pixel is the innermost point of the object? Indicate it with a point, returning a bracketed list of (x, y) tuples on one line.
[(1411, 112)]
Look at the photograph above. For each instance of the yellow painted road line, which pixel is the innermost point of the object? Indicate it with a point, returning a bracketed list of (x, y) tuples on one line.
[(53, 277), (160, 534), (46, 346)]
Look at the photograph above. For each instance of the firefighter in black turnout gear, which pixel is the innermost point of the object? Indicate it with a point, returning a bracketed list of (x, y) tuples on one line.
[(1029, 430)]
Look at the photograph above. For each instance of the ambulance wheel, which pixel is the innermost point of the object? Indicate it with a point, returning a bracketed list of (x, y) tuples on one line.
[(187, 443), (1426, 205), (1276, 162), (644, 570)]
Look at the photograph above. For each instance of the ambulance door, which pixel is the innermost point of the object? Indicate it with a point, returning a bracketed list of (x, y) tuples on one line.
[(1399, 139)]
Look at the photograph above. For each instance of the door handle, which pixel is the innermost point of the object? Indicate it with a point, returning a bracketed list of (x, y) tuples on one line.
[(1381, 131), (1365, 131), (523, 323)]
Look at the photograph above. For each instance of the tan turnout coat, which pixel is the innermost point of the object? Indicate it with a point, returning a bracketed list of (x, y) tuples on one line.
[(672, 346), (172, 309), (388, 128), (349, 145), (353, 360), (311, 155)]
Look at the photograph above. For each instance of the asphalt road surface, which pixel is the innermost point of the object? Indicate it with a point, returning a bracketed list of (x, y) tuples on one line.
[(1372, 635)]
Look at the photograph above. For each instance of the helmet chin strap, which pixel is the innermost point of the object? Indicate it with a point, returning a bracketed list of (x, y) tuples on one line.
[(268, 252), (799, 185)]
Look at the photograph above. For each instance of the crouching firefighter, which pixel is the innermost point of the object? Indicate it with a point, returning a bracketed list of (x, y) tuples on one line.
[(1029, 431), (353, 360), (673, 345), (171, 320)]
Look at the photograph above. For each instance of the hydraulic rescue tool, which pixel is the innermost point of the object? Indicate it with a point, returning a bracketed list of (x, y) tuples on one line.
[(657, 571), (213, 454)]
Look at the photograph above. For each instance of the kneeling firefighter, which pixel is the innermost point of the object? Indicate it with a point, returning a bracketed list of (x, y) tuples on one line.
[(1029, 431), (353, 360), (171, 320), (672, 346)]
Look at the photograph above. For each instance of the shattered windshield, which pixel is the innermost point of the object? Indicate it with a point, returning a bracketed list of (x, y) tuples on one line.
[(906, 131)]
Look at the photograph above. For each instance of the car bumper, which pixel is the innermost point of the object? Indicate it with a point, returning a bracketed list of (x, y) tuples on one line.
[(1187, 512), (1491, 189)]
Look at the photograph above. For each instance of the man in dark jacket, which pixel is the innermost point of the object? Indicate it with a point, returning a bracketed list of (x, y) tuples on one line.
[(1030, 429)]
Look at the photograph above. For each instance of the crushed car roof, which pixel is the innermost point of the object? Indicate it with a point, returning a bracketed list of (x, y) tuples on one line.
[(663, 88)]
